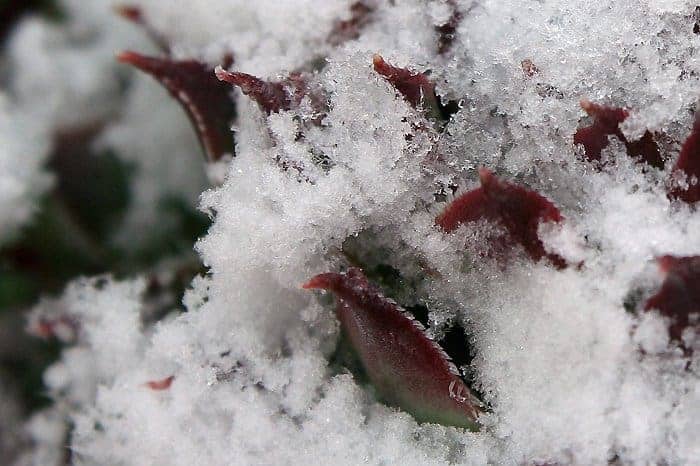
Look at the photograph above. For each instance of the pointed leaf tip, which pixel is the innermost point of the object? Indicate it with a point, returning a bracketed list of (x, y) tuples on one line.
[(319, 282), (606, 122), (518, 210), (486, 176), (272, 97), (276, 96), (205, 99), (160, 385), (131, 58), (416, 88)]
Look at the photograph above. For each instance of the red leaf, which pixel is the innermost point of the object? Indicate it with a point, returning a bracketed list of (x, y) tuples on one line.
[(162, 384), (519, 210), (606, 121), (688, 163), (679, 295), (271, 96), (347, 30), (275, 96), (446, 32), (204, 98), (415, 87), (407, 368)]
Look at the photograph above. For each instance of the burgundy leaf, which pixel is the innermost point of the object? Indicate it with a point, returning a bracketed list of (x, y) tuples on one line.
[(519, 210), (446, 32), (416, 88), (205, 99), (688, 163), (271, 96), (606, 121), (407, 368), (349, 29), (135, 15), (276, 96), (162, 384), (679, 295)]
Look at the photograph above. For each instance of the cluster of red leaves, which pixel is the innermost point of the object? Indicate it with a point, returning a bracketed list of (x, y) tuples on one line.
[(405, 366), (679, 295), (211, 109), (606, 121)]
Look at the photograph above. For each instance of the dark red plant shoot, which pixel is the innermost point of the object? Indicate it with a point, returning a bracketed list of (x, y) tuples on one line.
[(606, 122), (408, 369), (679, 295), (271, 96), (519, 210), (205, 99), (416, 88), (275, 96), (160, 385), (446, 31), (688, 164)]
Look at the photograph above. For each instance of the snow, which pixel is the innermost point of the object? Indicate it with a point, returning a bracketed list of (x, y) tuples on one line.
[(569, 375), (23, 179)]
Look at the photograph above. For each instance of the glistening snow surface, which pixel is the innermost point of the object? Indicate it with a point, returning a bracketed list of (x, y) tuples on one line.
[(570, 376)]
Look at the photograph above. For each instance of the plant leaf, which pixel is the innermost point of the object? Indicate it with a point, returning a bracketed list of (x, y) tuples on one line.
[(606, 122), (407, 368), (205, 99), (519, 210)]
